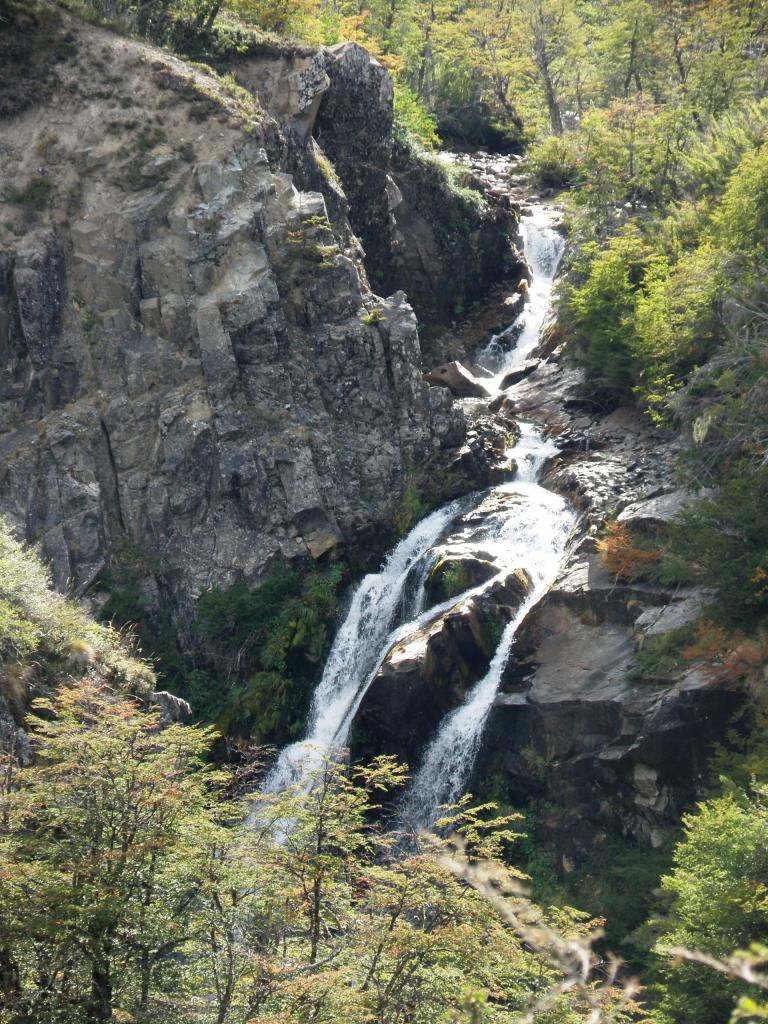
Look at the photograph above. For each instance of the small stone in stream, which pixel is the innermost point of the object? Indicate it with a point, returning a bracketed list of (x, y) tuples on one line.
[(504, 408), (519, 373), (458, 380)]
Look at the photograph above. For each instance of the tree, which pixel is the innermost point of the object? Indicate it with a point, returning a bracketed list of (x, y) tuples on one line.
[(720, 887), (101, 862)]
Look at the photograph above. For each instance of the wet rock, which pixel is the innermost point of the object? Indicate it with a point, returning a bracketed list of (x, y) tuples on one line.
[(429, 672), (505, 409), (455, 573), (519, 373)]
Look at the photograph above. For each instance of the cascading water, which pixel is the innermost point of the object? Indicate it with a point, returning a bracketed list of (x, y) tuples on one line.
[(543, 247), (387, 606), (536, 541), (362, 641)]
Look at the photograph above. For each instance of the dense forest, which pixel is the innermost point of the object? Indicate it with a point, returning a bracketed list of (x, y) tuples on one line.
[(144, 877)]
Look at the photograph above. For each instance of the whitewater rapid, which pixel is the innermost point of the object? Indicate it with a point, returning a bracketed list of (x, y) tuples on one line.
[(389, 605), (534, 537)]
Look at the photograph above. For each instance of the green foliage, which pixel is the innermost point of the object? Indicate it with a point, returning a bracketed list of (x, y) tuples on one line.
[(455, 579), (620, 885), (678, 324), (719, 890), (372, 317), (413, 507), (122, 861), (412, 118), (741, 220), (35, 194), (103, 842), (661, 656), (556, 161), (259, 650), (721, 541), (712, 157), (600, 314)]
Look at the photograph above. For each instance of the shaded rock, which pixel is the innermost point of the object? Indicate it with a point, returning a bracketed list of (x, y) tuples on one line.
[(627, 760), (655, 512), (483, 459), (686, 607), (519, 373), (13, 739), (453, 574), (172, 709)]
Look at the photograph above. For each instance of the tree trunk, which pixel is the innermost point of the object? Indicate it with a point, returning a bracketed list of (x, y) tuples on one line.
[(555, 117), (101, 993), (10, 982)]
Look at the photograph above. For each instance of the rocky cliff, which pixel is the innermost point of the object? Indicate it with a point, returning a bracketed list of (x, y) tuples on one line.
[(436, 231), (588, 726), (194, 365)]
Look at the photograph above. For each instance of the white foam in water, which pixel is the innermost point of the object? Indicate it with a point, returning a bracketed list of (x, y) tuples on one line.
[(534, 537), (531, 533), (362, 641), (543, 247)]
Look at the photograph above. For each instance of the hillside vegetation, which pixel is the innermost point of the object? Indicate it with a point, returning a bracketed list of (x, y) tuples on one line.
[(130, 888)]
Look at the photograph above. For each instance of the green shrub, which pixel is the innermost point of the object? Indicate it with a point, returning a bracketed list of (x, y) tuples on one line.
[(677, 323), (661, 656), (411, 118), (413, 507), (741, 220), (722, 542), (258, 650), (599, 314), (35, 194), (718, 886), (556, 161)]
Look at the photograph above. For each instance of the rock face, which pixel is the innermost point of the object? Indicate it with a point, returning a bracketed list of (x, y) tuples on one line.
[(419, 234), (445, 247), (194, 367), (580, 725), (428, 674), (607, 748)]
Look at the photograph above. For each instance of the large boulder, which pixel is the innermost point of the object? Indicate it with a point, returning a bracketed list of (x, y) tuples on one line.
[(518, 373), (458, 379), (429, 672), (456, 572)]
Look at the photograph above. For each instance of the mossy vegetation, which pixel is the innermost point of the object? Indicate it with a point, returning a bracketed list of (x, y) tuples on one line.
[(35, 194), (252, 655)]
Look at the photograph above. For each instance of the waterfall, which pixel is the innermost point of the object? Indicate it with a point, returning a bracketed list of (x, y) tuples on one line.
[(367, 633), (535, 540), (530, 532), (543, 247)]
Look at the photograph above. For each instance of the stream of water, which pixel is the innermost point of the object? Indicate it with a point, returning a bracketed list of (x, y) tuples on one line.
[(530, 530)]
